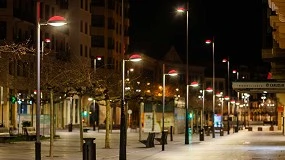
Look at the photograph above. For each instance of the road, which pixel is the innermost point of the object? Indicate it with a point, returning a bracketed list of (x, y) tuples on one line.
[(244, 145)]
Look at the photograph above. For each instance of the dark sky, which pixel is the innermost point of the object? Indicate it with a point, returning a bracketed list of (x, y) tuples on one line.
[(236, 26)]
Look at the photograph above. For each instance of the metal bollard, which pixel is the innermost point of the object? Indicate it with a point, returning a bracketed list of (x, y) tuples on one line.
[(201, 134), (70, 127), (89, 149), (171, 133)]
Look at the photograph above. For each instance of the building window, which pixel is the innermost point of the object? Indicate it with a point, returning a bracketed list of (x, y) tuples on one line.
[(47, 12), (3, 3), (11, 67), (81, 50), (111, 23), (3, 30), (81, 4), (86, 5), (86, 28), (81, 26), (25, 69), (86, 51), (19, 68), (98, 3), (63, 4), (98, 21), (97, 41), (111, 43), (111, 4)]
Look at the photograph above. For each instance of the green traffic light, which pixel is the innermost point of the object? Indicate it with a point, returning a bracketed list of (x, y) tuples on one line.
[(13, 99)]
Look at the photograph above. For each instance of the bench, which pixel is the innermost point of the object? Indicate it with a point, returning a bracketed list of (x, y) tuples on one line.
[(5, 135), (163, 137), (86, 129), (149, 142), (30, 133)]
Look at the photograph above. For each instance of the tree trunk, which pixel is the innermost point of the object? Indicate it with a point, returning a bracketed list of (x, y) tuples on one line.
[(51, 124), (108, 115), (80, 122)]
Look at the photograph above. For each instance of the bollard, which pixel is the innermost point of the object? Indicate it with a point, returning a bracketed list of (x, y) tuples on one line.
[(221, 131), (208, 131), (89, 149), (70, 127), (201, 134), (94, 126), (171, 133)]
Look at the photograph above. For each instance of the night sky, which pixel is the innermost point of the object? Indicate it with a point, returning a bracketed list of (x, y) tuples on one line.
[(235, 25)]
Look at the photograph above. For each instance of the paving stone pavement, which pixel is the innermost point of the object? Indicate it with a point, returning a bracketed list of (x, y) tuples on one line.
[(244, 145)]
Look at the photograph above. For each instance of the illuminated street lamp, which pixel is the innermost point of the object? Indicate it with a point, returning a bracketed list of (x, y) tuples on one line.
[(170, 73), (47, 40), (213, 52), (123, 134), (182, 10), (227, 60), (53, 21), (95, 62), (201, 132), (227, 98)]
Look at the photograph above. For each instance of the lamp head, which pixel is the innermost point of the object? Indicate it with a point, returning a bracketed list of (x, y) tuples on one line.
[(135, 58), (172, 73), (227, 98), (56, 21), (180, 10), (208, 41), (209, 89), (194, 84)]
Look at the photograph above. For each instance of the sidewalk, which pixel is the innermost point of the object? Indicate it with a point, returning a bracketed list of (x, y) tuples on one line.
[(241, 146)]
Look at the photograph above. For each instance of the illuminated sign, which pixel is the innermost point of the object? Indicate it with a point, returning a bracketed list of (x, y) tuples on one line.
[(258, 85)]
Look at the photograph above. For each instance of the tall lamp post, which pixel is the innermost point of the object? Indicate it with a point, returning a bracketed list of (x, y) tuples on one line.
[(170, 73), (182, 10), (201, 132), (123, 134), (213, 51), (53, 21), (227, 60), (227, 98)]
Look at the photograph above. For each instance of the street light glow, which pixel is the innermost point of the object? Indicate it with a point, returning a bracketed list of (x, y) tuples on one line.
[(208, 41), (135, 58), (56, 21), (194, 84), (180, 10)]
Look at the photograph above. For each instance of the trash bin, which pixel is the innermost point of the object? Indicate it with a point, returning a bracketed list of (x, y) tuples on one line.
[(201, 134), (89, 149), (70, 127)]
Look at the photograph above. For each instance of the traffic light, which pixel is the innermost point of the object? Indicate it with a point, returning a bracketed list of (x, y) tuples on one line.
[(13, 99)]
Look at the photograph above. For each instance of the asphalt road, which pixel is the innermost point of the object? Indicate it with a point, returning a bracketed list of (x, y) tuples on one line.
[(244, 145)]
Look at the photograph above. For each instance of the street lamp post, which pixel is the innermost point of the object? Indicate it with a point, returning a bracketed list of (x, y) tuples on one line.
[(170, 73), (95, 63), (227, 98), (53, 21), (213, 52), (201, 132), (123, 134), (228, 86), (187, 70)]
